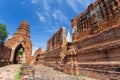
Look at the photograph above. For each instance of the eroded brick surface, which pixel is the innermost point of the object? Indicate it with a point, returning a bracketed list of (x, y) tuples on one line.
[(95, 49), (5, 53), (39, 56), (57, 40), (97, 17), (21, 39)]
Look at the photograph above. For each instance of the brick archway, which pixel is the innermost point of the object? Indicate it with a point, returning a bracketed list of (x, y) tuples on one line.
[(17, 58), (21, 37)]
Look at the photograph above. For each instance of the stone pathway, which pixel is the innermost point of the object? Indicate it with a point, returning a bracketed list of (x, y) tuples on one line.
[(46, 73), (41, 73), (8, 72)]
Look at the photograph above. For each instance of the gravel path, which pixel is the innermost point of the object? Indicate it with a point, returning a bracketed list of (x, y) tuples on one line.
[(8, 72), (41, 73), (46, 73)]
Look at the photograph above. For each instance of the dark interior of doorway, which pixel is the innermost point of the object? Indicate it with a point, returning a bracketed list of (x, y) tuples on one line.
[(16, 54)]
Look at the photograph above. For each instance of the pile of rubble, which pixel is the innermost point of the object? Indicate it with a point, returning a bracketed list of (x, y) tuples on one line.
[(27, 72)]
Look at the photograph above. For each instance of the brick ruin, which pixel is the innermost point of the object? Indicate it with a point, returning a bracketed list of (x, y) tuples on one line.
[(57, 40), (95, 49), (5, 53), (54, 48), (95, 18), (39, 56), (96, 35), (20, 40)]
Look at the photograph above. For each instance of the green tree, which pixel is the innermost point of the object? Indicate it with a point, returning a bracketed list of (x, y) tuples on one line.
[(20, 52), (3, 33)]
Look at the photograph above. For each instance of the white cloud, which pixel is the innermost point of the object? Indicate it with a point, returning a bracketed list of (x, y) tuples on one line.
[(59, 15), (46, 4), (43, 45), (33, 50), (51, 30), (59, 1), (34, 1), (55, 19), (85, 3), (22, 3), (43, 3), (74, 4), (41, 17)]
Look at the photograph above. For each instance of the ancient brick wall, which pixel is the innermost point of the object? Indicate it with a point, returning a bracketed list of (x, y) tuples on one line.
[(55, 48), (53, 58), (97, 17), (57, 40), (39, 56), (5, 53), (96, 41), (97, 55), (95, 49), (108, 35)]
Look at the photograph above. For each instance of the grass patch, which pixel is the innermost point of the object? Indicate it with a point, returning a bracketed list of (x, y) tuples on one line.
[(7, 64), (17, 76), (80, 75), (84, 77)]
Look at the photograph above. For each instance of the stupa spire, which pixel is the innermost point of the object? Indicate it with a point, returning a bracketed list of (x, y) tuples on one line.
[(23, 29)]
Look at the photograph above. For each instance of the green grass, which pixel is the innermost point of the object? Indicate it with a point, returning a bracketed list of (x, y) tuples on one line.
[(84, 77), (17, 76), (80, 75), (7, 64)]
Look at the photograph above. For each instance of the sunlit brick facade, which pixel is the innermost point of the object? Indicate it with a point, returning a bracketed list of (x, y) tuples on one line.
[(95, 18)]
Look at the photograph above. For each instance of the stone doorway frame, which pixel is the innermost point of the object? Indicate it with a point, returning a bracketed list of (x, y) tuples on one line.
[(15, 53)]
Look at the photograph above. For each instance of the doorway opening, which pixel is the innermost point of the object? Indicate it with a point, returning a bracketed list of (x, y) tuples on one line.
[(18, 54)]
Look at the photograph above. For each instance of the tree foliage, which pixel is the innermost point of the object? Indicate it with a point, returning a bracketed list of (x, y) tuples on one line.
[(20, 52), (3, 33)]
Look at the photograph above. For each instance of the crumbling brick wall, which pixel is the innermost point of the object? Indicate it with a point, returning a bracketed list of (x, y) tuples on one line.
[(97, 17), (95, 48), (55, 48), (96, 38), (39, 56), (5, 53), (97, 55), (57, 40)]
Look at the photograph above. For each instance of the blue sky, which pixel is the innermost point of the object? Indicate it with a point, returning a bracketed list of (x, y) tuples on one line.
[(45, 17)]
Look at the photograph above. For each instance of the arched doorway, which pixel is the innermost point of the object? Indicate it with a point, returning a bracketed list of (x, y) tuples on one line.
[(21, 39), (18, 54)]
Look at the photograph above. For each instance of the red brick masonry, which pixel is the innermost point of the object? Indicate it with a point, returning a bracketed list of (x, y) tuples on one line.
[(5, 53)]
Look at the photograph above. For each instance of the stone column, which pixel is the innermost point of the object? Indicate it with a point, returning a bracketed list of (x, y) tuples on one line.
[(12, 55), (24, 58)]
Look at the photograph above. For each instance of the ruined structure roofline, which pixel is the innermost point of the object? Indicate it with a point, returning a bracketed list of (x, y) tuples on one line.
[(91, 6), (57, 32)]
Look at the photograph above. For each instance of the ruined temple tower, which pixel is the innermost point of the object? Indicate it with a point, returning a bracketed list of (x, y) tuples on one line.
[(20, 41)]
